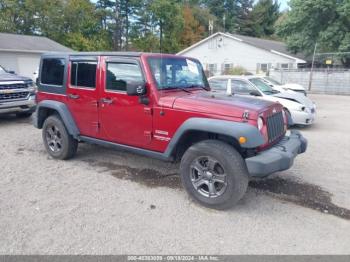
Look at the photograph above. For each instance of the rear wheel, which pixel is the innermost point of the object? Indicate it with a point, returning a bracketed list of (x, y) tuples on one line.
[(58, 142), (214, 174)]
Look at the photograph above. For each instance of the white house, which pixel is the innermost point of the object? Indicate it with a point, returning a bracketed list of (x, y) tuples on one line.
[(21, 53), (222, 51)]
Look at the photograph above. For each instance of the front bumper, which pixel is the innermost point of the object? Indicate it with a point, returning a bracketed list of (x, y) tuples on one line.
[(278, 158), (303, 118), (19, 106)]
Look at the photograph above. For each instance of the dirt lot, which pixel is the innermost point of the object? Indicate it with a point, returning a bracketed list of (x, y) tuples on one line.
[(110, 202)]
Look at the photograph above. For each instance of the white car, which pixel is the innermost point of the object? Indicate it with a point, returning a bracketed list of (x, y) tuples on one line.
[(280, 87), (301, 109)]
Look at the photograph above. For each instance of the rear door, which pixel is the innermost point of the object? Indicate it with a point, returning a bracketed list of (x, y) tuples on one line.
[(123, 118), (82, 93)]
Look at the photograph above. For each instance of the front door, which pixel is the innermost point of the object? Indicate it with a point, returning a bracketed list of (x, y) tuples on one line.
[(123, 119), (82, 94)]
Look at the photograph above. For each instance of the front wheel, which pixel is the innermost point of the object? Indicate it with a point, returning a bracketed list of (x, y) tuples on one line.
[(214, 174), (58, 142)]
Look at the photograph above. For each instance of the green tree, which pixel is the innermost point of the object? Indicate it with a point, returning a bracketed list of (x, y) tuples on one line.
[(168, 18), (326, 22), (263, 17), (244, 18), (73, 23), (226, 13), (17, 16)]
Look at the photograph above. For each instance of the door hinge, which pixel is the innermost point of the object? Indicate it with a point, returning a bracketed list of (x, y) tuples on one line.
[(148, 135), (96, 126), (148, 110)]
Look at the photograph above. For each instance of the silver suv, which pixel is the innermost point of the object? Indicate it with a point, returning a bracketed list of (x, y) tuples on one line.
[(17, 94)]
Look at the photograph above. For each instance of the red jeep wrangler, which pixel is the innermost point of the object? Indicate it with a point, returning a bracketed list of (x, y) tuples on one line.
[(161, 106)]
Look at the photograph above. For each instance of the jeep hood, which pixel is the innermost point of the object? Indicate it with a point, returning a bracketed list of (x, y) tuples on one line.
[(221, 104), (12, 77)]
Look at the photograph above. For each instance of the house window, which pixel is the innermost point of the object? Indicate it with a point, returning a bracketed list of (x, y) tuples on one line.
[(284, 66), (264, 67), (227, 67), (213, 68)]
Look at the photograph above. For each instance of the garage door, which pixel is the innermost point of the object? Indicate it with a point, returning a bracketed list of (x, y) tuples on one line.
[(28, 64), (9, 61)]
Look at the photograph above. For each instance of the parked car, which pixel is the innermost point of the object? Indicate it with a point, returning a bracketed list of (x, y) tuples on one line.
[(300, 108), (282, 87), (17, 94), (160, 106)]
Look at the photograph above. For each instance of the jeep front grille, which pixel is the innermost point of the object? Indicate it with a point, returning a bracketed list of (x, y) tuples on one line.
[(275, 126), (12, 86), (13, 96)]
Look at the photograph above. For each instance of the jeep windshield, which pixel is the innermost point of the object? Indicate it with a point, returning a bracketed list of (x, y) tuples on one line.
[(263, 87), (177, 73)]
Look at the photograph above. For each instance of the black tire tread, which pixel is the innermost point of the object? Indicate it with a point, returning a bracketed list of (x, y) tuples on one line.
[(235, 159), (72, 144)]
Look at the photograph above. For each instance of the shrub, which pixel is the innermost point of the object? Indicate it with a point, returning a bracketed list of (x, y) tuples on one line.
[(236, 70)]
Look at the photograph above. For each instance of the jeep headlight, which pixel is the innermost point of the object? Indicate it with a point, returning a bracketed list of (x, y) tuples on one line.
[(260, 123)]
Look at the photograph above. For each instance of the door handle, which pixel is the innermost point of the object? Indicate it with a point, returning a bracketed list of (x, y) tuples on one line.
[(73, 96), (108, 101)]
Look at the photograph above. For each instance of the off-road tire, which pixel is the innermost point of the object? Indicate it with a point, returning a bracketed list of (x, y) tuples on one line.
[(229, 160), (68, 145)]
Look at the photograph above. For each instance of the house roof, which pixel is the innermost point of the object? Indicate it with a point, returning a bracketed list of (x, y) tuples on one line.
[(29, 44), (273, 46)]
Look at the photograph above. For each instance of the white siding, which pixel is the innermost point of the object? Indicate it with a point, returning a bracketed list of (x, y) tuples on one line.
[(24, 64), (228, 50)]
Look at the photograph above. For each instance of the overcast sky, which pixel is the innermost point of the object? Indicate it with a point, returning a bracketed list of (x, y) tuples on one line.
[(284, 4)]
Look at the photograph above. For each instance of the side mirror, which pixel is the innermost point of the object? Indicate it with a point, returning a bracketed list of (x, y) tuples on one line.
[(12, 72), (136, 88), (254, 93)]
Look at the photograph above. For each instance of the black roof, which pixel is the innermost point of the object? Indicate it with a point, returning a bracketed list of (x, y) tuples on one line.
[(100, 53), (29, 43)]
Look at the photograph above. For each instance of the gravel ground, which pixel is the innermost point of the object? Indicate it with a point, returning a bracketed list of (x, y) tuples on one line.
[(110, 202)]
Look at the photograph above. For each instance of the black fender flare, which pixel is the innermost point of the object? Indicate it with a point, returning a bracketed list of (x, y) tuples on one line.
[(221, 127), (62, 111)]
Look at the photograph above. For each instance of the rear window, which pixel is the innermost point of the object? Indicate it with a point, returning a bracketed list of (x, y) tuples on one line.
[(52, 72), (83, 74), (218, 84)]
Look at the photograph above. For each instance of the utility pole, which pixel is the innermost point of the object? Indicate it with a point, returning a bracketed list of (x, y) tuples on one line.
[(211, 27), (312, 67), (224, 22)]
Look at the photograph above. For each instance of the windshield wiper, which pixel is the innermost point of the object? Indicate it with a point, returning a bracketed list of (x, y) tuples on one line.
[(183, 89), (200, 86)]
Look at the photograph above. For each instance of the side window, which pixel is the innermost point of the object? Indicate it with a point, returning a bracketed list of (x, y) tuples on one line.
[(83, 74), (218, 84), (52, 72), (241, 87), (119, 74)]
